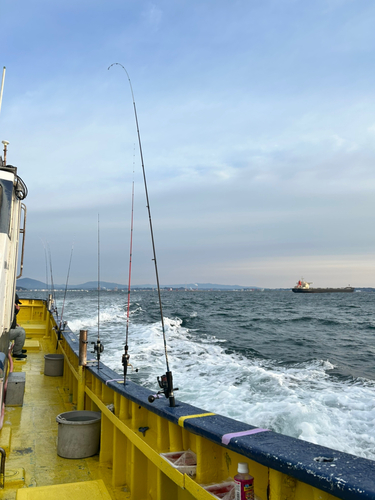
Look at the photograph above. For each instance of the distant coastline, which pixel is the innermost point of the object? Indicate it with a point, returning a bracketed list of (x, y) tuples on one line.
[(28, 284)]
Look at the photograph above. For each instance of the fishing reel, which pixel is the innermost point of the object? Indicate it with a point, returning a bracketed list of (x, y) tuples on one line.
[(166, 385), (59, 329), (98, 349), (125, 364)]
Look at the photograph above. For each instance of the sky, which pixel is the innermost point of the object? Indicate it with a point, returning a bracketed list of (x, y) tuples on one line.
[(257, 122)]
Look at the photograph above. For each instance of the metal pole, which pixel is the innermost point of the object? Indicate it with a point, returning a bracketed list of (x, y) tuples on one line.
[(81, 388), (81, 370), (2, 87), (5, 151)]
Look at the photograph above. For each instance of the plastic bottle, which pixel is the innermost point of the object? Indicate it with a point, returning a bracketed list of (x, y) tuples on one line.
[(244, 483)]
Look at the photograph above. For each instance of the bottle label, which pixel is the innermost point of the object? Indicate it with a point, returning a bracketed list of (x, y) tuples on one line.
[(244, 490)]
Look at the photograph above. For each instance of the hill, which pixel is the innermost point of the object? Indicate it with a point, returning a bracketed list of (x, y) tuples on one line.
[(31, 284)]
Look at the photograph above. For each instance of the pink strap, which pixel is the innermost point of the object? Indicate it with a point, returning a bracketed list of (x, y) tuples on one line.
[(114, 380), (227, 437)]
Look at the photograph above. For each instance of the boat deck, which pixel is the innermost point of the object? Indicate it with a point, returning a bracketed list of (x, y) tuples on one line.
[(29, 436)]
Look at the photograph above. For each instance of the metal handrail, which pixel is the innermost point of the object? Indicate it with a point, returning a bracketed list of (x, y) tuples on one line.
[(2, 468), (23, 232)]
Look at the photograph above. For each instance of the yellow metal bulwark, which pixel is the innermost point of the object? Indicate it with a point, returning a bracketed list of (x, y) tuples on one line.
[(81, 389)]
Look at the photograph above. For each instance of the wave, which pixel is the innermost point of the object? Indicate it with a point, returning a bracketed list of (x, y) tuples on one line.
[(300, 399)]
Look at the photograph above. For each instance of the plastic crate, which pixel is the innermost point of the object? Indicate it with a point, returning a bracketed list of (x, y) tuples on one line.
[(222, 490), (189, 468)]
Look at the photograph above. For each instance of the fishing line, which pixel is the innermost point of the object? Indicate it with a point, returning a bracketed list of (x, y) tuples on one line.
[(166, 381)]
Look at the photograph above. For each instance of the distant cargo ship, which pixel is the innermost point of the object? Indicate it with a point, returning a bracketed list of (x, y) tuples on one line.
[(304, 287)]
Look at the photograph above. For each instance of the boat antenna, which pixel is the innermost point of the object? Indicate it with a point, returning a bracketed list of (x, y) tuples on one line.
[(98, 346), (62, 324), (2, 86), (126, 356), (166, 381)]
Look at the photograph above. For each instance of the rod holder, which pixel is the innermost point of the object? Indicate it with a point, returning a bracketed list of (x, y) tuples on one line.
[(50, 302), (83, 347)]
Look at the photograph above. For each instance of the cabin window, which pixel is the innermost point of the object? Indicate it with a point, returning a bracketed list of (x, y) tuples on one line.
[(6, 191)]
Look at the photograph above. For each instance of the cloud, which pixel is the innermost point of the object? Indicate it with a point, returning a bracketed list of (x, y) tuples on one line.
[(153, 15), (256, 122)]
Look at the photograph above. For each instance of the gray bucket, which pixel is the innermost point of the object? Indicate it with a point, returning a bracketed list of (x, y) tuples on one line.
[(78, 434), (54, 365)]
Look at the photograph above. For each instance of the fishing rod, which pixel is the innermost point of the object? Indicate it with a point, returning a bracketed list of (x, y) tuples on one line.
[(126, 356), (54, 303), (46, 262), (66, 288), (61, 323), (49, 298), (53, 293), (165, 381), (98, 346), (45, 257)]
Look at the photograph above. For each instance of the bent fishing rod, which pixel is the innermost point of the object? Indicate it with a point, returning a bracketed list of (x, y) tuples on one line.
[(166, 380)]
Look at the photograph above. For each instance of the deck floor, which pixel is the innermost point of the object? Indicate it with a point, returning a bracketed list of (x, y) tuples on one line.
[(33, 434)]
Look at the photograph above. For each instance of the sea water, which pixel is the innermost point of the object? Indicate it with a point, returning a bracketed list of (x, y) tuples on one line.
[(300, 365)]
